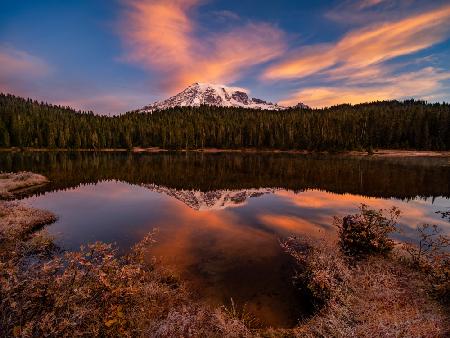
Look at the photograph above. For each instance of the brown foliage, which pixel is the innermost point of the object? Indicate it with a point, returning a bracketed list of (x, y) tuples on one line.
[(321, 271), (375, 297), (431, 256), (13, 182), (90, 292), (367, 232), (94, 292), (17, 221)]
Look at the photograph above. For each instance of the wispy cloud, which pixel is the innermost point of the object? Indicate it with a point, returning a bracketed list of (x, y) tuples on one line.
[(224, 16), (27, 75), (367, 46), (364, 12), (425, 83), (163, 36), (368, 3), (105, 103), (18, 68), (358, 62)]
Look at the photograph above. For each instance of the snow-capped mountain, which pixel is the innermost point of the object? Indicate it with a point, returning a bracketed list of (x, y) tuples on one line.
[(214, 95), (210, 200)]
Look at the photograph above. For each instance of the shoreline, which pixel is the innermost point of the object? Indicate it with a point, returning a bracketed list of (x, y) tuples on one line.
[(377, 153)]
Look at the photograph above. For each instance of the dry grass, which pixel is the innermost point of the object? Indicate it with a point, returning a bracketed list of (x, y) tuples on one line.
[(393, 300), (377, 297), (362, 289), (431, 255), (322, 273), (11, 183), (92, 292), (200, 321), (16, 220)]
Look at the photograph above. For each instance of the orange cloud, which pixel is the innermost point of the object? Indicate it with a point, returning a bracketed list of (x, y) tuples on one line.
[(367, 46), (357, 63), (162, 36), (425, 83)]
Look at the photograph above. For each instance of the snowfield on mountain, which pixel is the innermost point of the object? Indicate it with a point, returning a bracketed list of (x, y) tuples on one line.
[(213, 95)]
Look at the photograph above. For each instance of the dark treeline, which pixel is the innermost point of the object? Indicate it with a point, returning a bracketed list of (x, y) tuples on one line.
[(389, 124), (403, 178)]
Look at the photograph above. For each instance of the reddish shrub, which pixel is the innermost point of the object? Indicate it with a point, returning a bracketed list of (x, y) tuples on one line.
[(367, 232)]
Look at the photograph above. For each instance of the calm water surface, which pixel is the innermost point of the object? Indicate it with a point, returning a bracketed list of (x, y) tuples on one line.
[(220, 216)]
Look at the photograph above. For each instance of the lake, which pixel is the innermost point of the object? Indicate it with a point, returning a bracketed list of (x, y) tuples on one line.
[(220, 216)]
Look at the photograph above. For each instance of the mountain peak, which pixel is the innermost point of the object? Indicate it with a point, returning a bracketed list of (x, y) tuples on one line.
[(200, 93)]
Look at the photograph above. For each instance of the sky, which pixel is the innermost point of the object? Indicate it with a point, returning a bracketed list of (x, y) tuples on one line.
[(112, 56)]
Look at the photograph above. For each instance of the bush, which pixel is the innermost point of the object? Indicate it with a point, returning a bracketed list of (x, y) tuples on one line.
[(367, 232), (92, 291), (430, 254), (375, 297)]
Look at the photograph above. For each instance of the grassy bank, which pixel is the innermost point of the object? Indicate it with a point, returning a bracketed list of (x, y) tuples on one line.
[(14, 183), (377, 297), (366, 285), (377, 153)]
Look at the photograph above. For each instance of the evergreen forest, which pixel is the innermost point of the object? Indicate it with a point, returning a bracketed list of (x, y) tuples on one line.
[(409, 124)]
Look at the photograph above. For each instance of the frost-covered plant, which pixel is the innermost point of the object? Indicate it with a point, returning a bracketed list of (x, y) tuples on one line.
[(17, 220), (375, 297), (91, 292), (321, 270), (240, 314), (11, 182), (430, 254), (367, 232)]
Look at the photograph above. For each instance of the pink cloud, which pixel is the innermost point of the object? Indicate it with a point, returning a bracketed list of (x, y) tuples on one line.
[(367, 46), (425, 83), (18, 68), (162, 36), (358, 59)]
